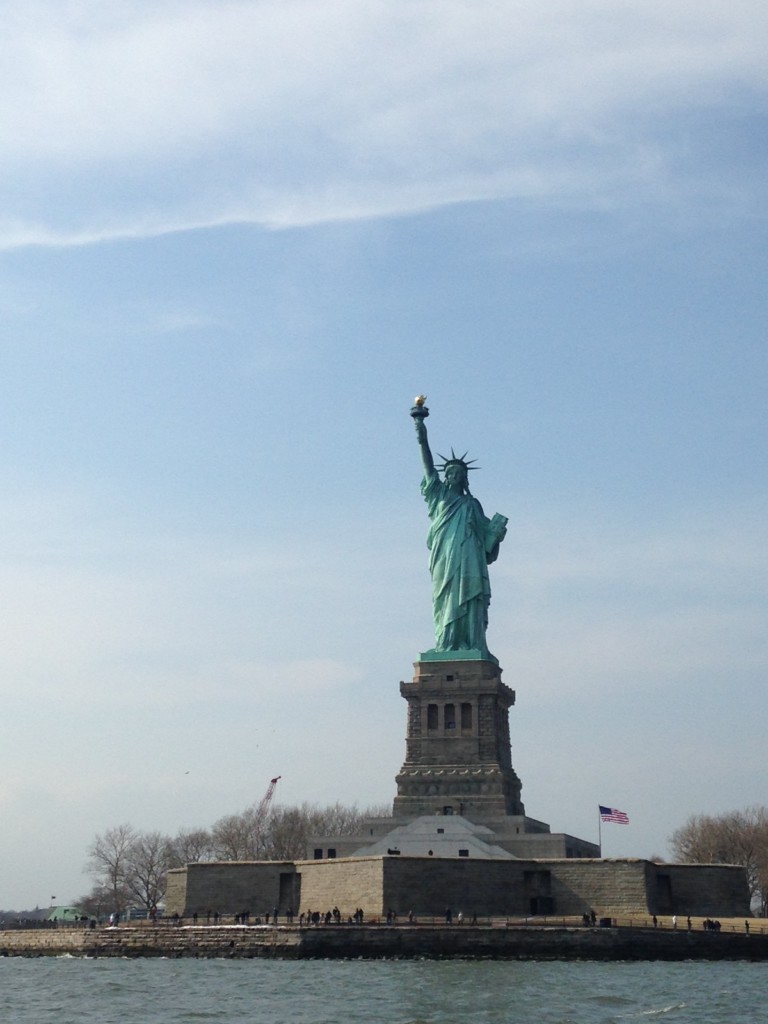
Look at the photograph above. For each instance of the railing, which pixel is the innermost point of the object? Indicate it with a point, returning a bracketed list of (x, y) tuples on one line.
[(756, 926)]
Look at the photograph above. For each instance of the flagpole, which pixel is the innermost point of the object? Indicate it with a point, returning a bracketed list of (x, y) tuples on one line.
[(599, 831)]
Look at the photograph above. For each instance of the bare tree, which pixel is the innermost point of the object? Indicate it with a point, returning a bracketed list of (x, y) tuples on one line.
[(129, 868), (147, 868), (347, 820), (288, 829), (285, 834), (235, 836), (189, 846), (108, 862)]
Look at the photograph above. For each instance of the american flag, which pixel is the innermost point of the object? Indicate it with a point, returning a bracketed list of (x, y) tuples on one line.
[(611, 814)]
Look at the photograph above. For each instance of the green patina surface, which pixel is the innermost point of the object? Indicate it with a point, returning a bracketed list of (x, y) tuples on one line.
[(470, 654), (462, 543)]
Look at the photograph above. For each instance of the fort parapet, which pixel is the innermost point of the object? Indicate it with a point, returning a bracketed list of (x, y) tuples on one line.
[(487, 887)]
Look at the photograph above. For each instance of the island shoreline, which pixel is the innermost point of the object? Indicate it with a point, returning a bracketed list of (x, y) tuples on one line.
[(502, 942)]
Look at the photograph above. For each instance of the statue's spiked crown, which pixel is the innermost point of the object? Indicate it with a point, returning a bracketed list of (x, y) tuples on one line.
[(456, 460)]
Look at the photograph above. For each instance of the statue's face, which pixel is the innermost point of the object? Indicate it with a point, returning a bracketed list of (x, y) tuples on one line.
[(456, 476)]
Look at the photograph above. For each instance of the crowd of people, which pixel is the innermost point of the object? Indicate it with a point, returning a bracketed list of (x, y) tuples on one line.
[(306, 917)]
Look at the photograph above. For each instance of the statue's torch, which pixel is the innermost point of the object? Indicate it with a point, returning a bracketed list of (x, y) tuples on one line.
[(419, 411)]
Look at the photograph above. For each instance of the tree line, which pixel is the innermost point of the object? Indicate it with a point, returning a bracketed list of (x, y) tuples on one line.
[(129, 867)]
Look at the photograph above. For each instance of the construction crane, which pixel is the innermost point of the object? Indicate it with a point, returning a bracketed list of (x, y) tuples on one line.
[(266, 800), (263, 809)]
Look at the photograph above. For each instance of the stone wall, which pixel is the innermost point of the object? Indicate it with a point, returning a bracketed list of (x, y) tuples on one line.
[(427, 886), (346, 884), (516, 888), (45, 941), (231, 887), (710, 890), (609, 887), (612, 888), (176, 891)]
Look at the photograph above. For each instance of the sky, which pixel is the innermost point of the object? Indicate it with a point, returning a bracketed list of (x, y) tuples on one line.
[(237, 237)]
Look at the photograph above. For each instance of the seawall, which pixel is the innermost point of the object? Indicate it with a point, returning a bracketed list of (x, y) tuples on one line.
[(526, 942)]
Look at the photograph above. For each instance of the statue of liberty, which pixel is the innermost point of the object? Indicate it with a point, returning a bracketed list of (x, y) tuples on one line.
[(462, 543)]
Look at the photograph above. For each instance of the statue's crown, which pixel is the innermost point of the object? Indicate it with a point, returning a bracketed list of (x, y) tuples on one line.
[(456, 460)]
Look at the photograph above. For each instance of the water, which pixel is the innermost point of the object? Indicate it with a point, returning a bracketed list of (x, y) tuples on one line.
[(76, 991)]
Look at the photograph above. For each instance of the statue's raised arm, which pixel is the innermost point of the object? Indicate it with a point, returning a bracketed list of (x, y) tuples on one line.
[(420, 413), (462, 542)]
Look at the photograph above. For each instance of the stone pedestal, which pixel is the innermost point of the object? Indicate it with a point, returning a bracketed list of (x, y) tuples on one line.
[(458, 758)]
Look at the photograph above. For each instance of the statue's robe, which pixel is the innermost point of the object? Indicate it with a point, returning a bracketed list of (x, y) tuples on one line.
[(460, 548)]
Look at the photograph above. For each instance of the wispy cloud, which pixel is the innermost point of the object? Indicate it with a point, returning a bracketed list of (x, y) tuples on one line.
[(142, 119), (576, 606), (583, 607)]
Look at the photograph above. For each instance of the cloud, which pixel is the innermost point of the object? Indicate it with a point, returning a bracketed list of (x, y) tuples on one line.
[(105, 616), (586, 610), (135, 120)]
